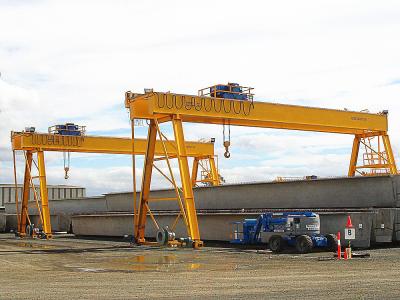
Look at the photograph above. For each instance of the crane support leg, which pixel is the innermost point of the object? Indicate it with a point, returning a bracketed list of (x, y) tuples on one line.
[(195, 170), (25, 195), (390, 156), (354, 156), (146, 182), (186, 183), (44, 195), (214, 172)]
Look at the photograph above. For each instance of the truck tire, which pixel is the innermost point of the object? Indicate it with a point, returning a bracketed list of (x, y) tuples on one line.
[(304, 244), (331, 240), (276, 243)]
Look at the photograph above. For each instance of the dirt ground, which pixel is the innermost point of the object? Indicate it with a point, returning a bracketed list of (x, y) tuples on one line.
[(90, 269)]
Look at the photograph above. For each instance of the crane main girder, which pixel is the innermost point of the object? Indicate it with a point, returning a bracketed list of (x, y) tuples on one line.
[(100, 144), (210, 110)]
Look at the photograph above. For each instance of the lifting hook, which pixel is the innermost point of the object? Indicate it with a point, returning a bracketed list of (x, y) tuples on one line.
[(67, 161), (226, 145), (66, 169), (227, 142)]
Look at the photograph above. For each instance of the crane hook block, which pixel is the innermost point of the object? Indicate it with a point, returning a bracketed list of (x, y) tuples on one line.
[(226, 145), (66, 173)]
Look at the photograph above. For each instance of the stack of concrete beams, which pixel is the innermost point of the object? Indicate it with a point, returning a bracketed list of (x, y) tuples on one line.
[(372, 202)]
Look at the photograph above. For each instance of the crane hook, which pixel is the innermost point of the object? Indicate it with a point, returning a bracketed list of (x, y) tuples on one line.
[(67, 161), (226, 145), (66, 169), (227, 142)]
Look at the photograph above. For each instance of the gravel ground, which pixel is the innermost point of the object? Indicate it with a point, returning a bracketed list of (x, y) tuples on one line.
[(91, 269)]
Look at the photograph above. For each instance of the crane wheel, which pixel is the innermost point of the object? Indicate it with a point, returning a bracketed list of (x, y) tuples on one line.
[(331, 242), (304, 244), (276, 243)]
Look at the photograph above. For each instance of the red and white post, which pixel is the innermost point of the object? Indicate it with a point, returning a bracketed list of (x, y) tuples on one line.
[(339, 246), (350, 234)]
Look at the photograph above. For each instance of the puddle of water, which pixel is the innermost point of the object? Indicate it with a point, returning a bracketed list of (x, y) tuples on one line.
[(94, 270), (164, 263), (33, 245)]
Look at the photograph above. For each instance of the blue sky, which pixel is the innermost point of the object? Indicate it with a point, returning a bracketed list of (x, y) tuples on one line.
[(73, 61)]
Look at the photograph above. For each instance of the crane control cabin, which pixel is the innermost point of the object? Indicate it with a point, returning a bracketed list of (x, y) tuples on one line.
[(232, 104)]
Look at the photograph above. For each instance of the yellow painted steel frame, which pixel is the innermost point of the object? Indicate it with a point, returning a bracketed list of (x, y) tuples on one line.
[(385, 162), (38, 143), (178, 108)]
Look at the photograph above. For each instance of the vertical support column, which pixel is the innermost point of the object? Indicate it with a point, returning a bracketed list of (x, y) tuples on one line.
[(140, 225), (186, 183), (214, 171), (44, 195), (25, 194), (195, 170), (354, 156), (389, 153)]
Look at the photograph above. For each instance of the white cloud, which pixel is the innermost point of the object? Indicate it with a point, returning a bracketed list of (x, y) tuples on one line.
[(73, 60)]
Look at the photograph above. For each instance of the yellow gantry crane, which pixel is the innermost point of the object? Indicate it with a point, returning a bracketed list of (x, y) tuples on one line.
[(31, 143), (233, 105)]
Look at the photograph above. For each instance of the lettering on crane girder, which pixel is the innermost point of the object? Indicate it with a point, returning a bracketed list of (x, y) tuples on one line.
[(57, 140), (204, 104), (359, 119)]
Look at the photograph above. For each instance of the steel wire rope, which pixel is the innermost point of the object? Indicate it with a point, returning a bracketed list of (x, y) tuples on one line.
[(176, 106), (220, 106), (251, 105), (188, 105), (230, 106), (240, 107), (158, 101), (205, 99), (195, 104), (166, 101)]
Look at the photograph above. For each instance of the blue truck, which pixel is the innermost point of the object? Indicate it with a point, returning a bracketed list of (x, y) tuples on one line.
[(284, 229)]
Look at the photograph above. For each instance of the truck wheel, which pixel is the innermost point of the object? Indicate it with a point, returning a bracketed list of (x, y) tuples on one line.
[(304, 244), (331, 240), (276, 243)]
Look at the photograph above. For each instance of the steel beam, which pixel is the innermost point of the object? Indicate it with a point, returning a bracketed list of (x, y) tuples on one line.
[(187, 187), (146, 182)]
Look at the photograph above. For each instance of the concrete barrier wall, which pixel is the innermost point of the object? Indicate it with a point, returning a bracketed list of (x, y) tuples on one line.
[(357, 192), (219, 226), (381, 195), (58, 222), (69, 206)]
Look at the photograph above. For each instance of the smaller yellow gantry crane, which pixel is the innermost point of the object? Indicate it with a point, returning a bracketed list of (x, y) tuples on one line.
[(232, 104), (72, 138)]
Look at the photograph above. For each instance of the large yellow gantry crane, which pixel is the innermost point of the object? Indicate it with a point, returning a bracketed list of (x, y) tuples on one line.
[(235, 106), (31, 143)]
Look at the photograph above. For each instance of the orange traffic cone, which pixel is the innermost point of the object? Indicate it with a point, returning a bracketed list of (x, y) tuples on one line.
[(349, 225)]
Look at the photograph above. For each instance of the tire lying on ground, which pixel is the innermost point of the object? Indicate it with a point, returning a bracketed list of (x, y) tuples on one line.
[(332, 242), (276, 243), (304, 244)]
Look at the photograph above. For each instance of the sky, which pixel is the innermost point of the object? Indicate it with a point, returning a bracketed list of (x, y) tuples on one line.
[(72, 61)]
